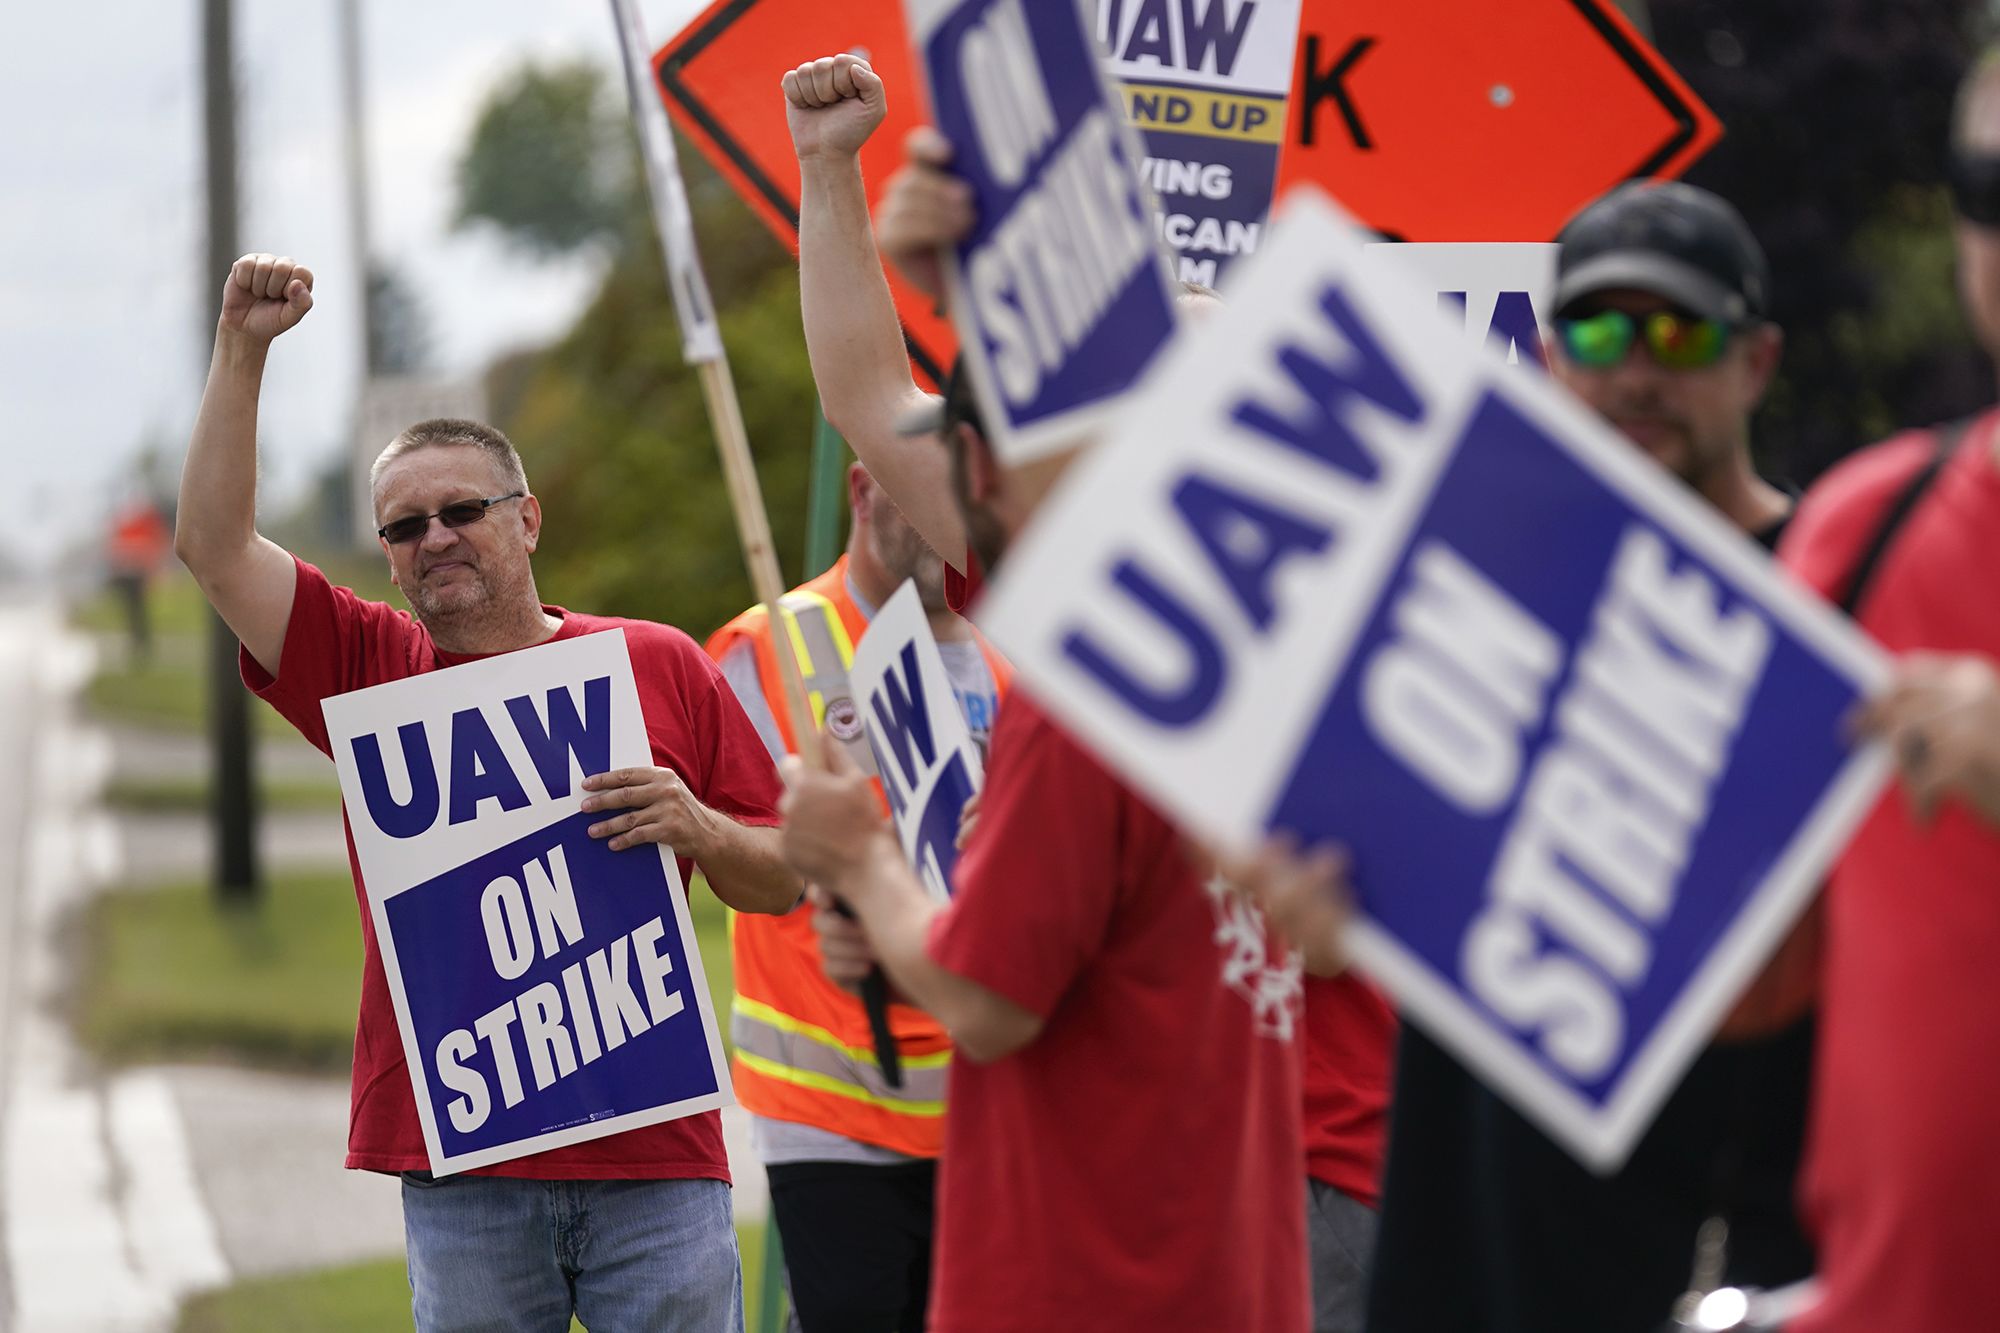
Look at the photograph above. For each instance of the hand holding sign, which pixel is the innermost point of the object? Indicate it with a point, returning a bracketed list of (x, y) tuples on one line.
[(264, 295), (833, 824), (832, 105), (926, 211), (1942, 722), (844, 954), (1304, 894), (662, 808)]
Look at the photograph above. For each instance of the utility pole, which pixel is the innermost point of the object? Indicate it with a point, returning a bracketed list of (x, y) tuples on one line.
[(233, 802), (355, 145)]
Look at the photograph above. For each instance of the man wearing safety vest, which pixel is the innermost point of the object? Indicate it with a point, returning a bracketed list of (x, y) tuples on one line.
[(851, 1161)]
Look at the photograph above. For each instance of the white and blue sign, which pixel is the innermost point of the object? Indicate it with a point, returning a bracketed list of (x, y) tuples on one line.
[(1497, 292), (547, 988), (925, 756), (1206, 84), (1344, 575), (1060, 295)]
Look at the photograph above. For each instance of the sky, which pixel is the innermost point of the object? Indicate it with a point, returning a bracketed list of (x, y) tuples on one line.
[(104, 333)]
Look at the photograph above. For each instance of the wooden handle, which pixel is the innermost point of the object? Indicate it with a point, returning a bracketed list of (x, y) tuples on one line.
[(753, 526)]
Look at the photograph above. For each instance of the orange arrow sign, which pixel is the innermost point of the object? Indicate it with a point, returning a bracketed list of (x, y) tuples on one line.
[(1443, 120), (1432, 120)]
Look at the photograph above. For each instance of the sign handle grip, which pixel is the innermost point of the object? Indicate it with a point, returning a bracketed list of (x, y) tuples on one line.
[(875, 999)]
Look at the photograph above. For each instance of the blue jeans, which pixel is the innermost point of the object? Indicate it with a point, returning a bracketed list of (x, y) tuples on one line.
[(491, 1255)]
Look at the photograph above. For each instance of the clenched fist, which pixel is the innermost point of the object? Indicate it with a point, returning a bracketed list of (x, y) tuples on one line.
[(264, 295), (832, 105)]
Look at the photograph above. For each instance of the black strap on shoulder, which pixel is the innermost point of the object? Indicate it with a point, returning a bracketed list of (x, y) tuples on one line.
[(1945, 443)]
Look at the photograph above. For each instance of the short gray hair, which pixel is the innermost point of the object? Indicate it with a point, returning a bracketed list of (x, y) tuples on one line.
[(453, 430)]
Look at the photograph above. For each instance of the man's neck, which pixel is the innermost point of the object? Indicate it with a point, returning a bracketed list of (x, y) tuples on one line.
[(1746, 499), (489, 634), (868, 584)]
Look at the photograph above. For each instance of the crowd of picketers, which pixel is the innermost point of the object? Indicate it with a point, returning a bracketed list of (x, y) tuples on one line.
[(1137, 1089)]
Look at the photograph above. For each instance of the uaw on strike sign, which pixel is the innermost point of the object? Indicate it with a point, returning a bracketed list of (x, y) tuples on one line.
[(548, 989), (925, 757), (1059, 294), (1339, 573)]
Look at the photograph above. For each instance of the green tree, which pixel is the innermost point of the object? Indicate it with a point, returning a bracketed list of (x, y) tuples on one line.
[(550, 162), (610, 420)]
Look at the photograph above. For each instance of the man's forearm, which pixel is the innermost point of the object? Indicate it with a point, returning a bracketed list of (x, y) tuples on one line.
[(855, 343), (746, 868), (897, 913), (217, 516)]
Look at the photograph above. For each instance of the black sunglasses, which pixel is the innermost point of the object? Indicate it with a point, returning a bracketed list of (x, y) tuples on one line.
[(1975, 186), (459, 514)]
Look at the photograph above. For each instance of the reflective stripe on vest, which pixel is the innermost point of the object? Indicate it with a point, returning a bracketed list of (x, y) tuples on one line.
[(788, 1049), (824, 651)]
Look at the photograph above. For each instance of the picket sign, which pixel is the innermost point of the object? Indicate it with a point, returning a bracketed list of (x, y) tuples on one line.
[(1498, 292), (925, 756), (1207, 89), (1060, 294), (1343, 572), (548, 989)]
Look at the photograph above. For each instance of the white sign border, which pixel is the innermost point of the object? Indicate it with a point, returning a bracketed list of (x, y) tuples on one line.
[(622, 682)]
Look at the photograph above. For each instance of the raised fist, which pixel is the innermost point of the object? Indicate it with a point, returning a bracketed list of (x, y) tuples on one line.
[(832, 105), (264, 295)]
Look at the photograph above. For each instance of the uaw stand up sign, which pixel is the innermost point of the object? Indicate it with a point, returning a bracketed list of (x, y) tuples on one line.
[(1345, 573), (547, 988)]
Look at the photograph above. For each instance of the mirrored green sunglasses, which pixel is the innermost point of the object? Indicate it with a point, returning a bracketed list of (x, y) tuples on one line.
[(1678, 342)]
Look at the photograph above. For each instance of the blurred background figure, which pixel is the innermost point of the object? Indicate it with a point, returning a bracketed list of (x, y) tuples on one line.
[(135, 551)]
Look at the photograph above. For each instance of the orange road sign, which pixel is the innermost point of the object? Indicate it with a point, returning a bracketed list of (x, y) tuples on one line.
[(1430, 120), (1461, 120)]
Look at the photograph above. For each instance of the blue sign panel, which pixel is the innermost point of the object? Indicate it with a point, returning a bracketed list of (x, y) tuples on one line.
[(1060, 294), (575, 1005)]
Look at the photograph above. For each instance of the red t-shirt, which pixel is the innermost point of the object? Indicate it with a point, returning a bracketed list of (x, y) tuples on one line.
[(1350, 1037), (1902, 1180), (336, 642), (1136, 1166)]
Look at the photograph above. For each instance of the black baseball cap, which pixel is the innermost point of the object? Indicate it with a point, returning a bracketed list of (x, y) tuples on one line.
[(1669, 238)]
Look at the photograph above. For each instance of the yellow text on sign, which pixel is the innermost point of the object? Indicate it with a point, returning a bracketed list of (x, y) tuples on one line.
[(1214, 115)]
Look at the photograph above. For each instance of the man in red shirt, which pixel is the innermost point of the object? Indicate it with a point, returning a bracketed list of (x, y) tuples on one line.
[(1902, 1180), (641, 1234), (960, 502), (1123, 1146)]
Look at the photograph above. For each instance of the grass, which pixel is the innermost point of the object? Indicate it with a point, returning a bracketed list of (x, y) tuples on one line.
[(367, 1298), (172, 692), (190, 795), (170, 976)]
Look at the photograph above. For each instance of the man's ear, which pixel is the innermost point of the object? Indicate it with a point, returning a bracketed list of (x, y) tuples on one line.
[(390, 556), (860, 493), (1764, 349), (982, 470), (531, 521)]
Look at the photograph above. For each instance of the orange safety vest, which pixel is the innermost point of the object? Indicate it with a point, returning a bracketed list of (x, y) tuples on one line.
[(804, 1052)]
